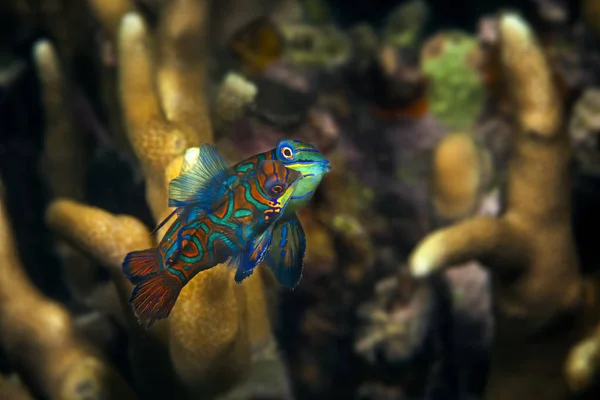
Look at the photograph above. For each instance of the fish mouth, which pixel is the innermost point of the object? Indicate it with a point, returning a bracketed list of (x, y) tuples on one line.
[(316, 169), (321, 168)]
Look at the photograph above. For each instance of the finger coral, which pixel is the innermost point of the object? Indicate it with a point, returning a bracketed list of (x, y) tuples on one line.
[(206, 346), (456, 150), (529, 248), (39, 337)]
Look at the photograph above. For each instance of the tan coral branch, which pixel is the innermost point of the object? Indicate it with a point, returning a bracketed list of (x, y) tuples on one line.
[(155, 140), (109, 13), (39, 337), (63, 162), (106, 237), (214, 321), (530, 79), (182, 59), (582, 366), (537, 286)]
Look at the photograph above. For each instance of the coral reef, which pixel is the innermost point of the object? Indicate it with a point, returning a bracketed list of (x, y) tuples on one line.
[(460, 170), (206, 345), (451, 153), (542, 304), (41, 340)]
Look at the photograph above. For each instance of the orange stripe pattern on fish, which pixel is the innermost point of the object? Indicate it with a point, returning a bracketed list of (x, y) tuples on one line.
[(196, 190), (233, 229)]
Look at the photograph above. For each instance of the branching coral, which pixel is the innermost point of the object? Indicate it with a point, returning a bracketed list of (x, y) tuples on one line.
[(218, 340), (205, 347), (40, 340), (537, 286), (63, 163)]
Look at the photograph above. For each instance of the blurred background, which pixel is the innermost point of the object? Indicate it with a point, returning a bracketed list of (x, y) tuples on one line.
[(476, 122)]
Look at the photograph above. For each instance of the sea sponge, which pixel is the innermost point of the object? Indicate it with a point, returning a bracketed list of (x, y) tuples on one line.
[(456, 93)]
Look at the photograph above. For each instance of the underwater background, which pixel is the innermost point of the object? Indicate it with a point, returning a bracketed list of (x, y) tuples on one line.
[(452, 250)]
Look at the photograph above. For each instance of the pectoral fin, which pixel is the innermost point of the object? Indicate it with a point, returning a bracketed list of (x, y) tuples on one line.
[(285, 256)]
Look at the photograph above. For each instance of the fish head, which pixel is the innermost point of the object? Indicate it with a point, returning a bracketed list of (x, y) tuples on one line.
[(303, 157), (277, 183), (310, 162)]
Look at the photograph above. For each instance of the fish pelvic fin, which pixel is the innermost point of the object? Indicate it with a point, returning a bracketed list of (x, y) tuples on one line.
[(139, 264), (154, 298), (253, 255)]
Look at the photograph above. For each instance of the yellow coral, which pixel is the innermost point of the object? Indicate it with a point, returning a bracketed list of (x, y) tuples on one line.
[(40, 339), (530, 247), (456, 176), (205, 345)]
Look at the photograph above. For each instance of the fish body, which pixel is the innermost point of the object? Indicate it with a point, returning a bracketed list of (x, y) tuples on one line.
[(212, 175), (234, 228), (193, 192)]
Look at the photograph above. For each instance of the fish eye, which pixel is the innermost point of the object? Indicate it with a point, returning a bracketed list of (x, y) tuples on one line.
[(287, 152), (277, 189)]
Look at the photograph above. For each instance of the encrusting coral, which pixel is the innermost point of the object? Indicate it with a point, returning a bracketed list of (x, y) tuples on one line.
[(206, 346), (543, 306)]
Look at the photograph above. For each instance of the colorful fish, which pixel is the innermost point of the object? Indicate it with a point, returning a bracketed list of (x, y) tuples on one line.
[(194, 192), (234, 229)]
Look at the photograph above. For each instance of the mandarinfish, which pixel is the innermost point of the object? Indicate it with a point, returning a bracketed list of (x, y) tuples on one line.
[(235, 227), (194, 191)]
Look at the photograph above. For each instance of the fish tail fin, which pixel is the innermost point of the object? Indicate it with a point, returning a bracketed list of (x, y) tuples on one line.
[(139, 264), (154, 298)]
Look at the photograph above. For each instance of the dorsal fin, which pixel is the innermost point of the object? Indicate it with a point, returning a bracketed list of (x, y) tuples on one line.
[(164, 221), (199, 187)]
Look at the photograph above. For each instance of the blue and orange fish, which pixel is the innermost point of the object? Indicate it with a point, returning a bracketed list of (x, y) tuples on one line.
[(234, 228), (194, 191)]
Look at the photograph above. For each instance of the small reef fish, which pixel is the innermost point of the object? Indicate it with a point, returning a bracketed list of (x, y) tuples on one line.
[(195, 190), (232, 230)]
